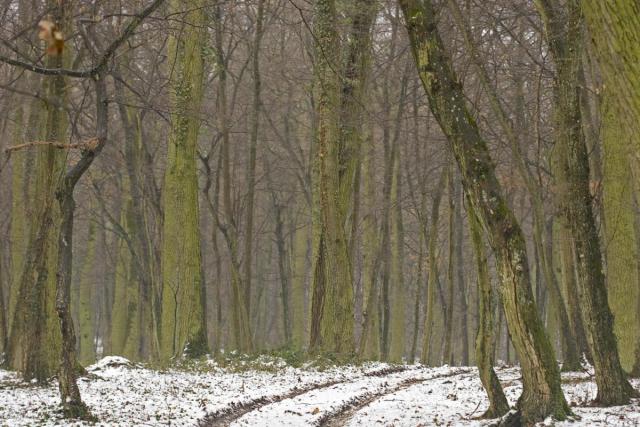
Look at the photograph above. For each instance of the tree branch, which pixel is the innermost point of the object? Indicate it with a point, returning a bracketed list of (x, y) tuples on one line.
[(85, 145), (104, 59)]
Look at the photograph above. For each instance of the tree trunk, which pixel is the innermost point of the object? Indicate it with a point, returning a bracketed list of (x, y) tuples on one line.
[(542, 395), (620, 239), (183, 321), (486, 338), (253, 145), (368, 347), (72, 405), (35, 338), (144, 260), (460, 263), (448, 323), (514, 134), (338, 140), (564, 35), (432, 280), (614, 28), (398, 286), (228, 227), (86, 319)]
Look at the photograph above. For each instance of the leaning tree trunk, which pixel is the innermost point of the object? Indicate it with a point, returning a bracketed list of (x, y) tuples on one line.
[(513, 134), (542, 395)]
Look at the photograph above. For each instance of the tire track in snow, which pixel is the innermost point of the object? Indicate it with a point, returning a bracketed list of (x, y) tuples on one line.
[(341, 416), (236, 410), (316, 406)]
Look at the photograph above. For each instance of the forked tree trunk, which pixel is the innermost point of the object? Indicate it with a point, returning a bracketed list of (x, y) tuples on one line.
[(340, 85), (542, 395)]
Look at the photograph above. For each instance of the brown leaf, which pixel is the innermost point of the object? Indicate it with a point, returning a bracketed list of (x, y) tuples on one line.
[(50, 34)]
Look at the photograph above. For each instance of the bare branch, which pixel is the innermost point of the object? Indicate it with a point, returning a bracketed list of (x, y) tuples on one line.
[(104, 59)]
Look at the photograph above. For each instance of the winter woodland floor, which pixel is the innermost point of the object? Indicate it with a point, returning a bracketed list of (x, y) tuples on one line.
[(121, 394)]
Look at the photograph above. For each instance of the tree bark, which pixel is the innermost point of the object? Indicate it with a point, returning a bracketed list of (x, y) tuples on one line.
[(183, 326)]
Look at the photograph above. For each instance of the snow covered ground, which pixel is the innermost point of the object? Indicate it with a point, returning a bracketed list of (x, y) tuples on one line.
[(122, 394)]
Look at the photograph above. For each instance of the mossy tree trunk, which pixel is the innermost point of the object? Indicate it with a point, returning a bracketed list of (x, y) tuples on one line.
[(620, 239), (125, 334), (564, 36), (614, 29), (542, 395), (27, 128), (35, 336), (182, 320), (332, 302), (514, 131), (299, 317), (420, 204), (339, 90)]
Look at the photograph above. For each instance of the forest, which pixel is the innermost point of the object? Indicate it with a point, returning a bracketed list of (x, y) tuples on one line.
[(319, 212)]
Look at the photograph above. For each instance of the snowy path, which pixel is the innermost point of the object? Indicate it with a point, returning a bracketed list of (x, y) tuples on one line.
[(318, 406), (228, 415)]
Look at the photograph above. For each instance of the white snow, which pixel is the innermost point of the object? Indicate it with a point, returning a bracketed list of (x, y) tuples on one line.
[(122, 393)]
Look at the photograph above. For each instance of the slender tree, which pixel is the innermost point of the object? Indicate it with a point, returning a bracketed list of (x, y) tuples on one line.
[(486, 338)]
